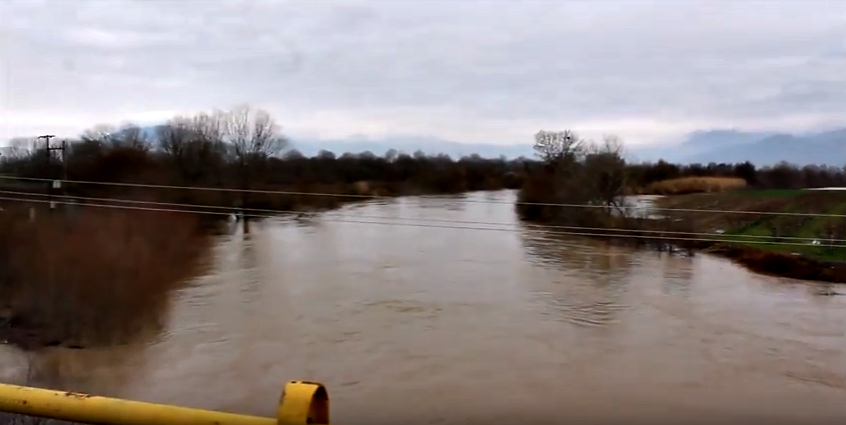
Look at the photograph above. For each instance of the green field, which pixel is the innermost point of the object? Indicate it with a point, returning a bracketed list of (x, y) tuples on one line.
[(734, 214)]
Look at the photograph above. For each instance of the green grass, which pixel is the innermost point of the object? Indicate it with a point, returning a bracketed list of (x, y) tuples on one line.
[(755, 230), (796, 227)]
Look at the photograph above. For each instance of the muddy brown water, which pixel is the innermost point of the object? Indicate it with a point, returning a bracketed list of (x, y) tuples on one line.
[(410, 313)]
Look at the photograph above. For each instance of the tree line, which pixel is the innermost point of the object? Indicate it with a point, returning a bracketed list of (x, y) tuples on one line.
[(571, 170), (783, 175), (243, 148), (554, 147)]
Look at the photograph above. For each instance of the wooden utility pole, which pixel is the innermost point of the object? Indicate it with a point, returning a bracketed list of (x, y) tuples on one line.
[(48, 148), (61, 183), (64, 149), (46, 139)]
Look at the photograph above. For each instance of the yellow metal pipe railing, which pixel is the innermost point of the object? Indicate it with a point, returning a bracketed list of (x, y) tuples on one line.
[(301, 403)]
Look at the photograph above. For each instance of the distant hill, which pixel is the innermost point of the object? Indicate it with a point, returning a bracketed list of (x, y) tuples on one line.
[(699, 143), (761, 148), (828, 147), (411, 144)]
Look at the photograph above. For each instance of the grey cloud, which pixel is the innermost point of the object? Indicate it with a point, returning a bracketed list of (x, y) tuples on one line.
[(468, 64)]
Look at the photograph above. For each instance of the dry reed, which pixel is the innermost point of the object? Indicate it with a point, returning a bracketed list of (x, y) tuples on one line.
[(94, 277), (686, 185)]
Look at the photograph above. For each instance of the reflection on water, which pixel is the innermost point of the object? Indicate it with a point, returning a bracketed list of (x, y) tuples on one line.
[(451, 203), (642, 206), (589, 277), (404, 318)]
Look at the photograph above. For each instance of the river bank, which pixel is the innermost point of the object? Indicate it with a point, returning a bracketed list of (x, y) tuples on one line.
[(93, 278), (790, 233)]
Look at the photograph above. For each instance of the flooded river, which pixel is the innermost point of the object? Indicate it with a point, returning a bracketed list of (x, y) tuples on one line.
[(448, 310)]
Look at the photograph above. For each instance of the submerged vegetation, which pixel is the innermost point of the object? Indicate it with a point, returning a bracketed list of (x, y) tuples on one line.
[(95, 278)]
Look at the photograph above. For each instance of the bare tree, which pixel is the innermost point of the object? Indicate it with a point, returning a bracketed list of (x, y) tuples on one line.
[(253, 137), (605, 172), (173, 136), (131, 136), (577, 172), (100, 133), (195, 145), (554, 147), (19, 148), (253, 134), (18, 155), (106, 136)]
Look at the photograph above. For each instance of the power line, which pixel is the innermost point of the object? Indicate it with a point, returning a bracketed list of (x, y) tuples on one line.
[(199, 209), (424, 225), (374, 197)]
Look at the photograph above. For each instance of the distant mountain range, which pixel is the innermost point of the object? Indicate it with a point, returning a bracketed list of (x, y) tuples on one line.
[(764, 148), (409, 145), (761, 148)]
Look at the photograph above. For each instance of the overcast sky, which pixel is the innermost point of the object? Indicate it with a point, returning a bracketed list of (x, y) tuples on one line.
[(466, 71)]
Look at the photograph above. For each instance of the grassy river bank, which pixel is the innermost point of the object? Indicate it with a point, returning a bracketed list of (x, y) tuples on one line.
[(793, 233)]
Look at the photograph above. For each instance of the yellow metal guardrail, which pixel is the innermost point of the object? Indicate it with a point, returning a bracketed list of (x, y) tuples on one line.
[(301, 403)]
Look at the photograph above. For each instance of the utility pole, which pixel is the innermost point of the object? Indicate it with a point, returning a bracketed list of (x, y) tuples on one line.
[(64, 149), (49, 149), (60, 184)]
